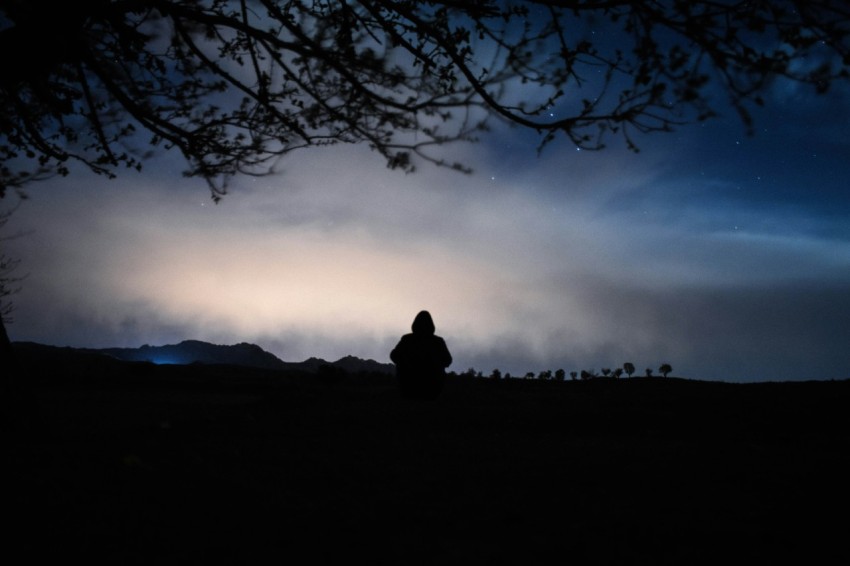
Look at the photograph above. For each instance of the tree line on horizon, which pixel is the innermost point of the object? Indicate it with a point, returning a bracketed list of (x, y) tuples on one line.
[(627, 369)]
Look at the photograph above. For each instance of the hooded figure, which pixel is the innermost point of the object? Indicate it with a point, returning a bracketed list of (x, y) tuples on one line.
[(421, 359)]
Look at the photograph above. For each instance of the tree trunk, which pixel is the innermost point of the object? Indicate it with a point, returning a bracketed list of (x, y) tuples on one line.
[(12, 406), (5, 353)]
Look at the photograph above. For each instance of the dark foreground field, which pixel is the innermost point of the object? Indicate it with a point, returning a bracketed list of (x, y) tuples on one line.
[(140, 464)]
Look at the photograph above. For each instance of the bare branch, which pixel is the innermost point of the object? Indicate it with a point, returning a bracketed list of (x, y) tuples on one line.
[(236, 85)]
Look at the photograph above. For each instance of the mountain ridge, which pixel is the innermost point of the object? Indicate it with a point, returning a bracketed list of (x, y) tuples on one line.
[(241, 354)]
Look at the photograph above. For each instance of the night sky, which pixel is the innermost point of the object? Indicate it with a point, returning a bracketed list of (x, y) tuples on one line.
[(724, 255)]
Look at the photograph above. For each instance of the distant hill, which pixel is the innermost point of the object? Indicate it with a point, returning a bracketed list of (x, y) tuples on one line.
[(349, 364), (242, 354), (195, 351)]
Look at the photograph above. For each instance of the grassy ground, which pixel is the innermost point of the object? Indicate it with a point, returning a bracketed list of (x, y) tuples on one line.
[(141, 464)]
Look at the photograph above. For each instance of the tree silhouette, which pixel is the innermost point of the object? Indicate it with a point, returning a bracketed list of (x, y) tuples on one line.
[(589, 374), (629, 368), (648, 372), (234, 85), (665, 369), (9, 281)]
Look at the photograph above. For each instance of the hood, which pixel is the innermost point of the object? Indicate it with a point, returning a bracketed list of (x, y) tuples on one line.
[(423, 323)]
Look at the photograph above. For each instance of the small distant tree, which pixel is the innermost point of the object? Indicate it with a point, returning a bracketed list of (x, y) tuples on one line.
[(665, 369), (618, 373), (496, 374), (606, 371), (585, 374), (560, 374), (529, 375), (573, 375), (545, 375), (629, 368), (648, 372), (508, 375)]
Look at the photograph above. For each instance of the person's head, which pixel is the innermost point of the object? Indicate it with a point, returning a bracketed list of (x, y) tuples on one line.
[(423, 323)]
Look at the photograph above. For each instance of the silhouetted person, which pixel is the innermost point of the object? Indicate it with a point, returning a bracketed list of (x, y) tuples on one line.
[(421, 359)]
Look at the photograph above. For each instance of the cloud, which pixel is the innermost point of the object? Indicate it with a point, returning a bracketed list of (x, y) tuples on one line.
[(575, 260)]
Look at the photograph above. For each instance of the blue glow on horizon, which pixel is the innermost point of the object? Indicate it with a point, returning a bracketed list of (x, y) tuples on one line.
[(164, 360)]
